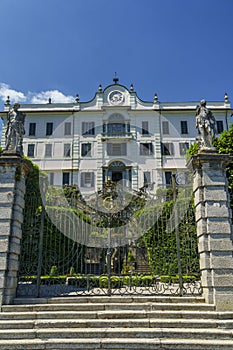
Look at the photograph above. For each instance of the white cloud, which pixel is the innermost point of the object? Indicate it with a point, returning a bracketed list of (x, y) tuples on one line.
[(33, 97), (15, 96), (55, 95)]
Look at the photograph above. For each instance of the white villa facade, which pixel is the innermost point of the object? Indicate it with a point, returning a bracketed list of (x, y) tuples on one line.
[(115, 135)]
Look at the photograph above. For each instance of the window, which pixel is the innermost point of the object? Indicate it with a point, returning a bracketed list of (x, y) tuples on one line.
[(116, 128), (219, 126), (48, 150), (116, 149), (146, 149), (145, 128), (167, 149), (51, 179), (67, 130), (66, 149), (184, 146), (49, 129), (168, 177), (31, 150), (32, 129), (87, 179), (184, 127), (165, 127), (86, 150), (146, 177), (65, 178), (88, 128)]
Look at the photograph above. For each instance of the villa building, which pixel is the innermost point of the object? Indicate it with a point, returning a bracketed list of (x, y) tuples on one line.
[(116, 135)]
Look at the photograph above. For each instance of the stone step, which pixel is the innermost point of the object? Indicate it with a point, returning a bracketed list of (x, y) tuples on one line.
[(134, 323), (116, 323), (147, 333), (110, 299), (117, 344), (15, 324), (114, 314), (107, 307)]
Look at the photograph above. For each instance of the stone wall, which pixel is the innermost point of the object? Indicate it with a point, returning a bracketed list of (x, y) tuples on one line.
[(13, 170), (213, 220), (214, 228)]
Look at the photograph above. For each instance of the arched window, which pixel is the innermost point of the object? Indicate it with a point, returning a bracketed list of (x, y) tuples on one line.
[(116, 125)]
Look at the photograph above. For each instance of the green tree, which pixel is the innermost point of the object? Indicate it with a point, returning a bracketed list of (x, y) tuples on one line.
[(193, 149), (58, 250), (224, 144), (161, 239)]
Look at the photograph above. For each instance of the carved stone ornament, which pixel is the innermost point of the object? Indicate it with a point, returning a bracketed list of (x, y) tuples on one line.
[(14, 131), (116, 98), (206, 125), (180, 178), (117, 164)]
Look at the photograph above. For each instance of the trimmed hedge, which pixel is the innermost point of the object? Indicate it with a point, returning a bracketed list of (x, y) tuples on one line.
[(91, 281)]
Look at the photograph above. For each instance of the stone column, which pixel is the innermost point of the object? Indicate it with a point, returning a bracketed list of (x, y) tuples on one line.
[(13, 170), (214, 227)]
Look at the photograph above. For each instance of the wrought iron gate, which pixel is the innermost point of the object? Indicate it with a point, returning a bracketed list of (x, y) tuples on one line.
[(115, 242)]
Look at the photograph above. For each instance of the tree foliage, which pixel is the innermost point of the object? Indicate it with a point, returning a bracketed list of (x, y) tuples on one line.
[(163, 240), (57, 249), (193, 149), (224, 144), (63, 252)]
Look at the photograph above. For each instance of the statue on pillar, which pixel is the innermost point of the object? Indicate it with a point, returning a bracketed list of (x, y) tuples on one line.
[(14, 131), (206, 125)]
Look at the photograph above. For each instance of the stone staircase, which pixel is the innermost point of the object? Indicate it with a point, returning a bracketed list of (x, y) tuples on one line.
[(116, 323)]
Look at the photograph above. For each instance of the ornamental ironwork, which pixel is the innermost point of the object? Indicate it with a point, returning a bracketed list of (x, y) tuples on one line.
[(162, 260)]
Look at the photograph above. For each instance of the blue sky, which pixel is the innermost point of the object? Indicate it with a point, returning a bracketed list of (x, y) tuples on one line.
[(180, 49)]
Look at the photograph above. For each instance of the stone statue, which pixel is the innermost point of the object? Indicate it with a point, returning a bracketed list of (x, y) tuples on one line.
[(14, 131), (206, 125)]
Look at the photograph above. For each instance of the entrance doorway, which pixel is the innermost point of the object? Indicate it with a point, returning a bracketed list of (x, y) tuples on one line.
[(117, 176)]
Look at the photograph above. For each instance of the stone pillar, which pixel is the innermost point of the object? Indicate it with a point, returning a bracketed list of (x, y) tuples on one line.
[(214, 227), (13, 170)]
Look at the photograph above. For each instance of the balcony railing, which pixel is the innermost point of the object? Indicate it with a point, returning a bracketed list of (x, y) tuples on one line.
[(116, 135)]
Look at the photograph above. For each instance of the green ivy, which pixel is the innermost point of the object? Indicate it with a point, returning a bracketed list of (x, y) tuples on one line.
[(193, 149), (161, 243)]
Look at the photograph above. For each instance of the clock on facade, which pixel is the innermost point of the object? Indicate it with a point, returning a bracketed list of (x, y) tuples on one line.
[(116, 98)]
